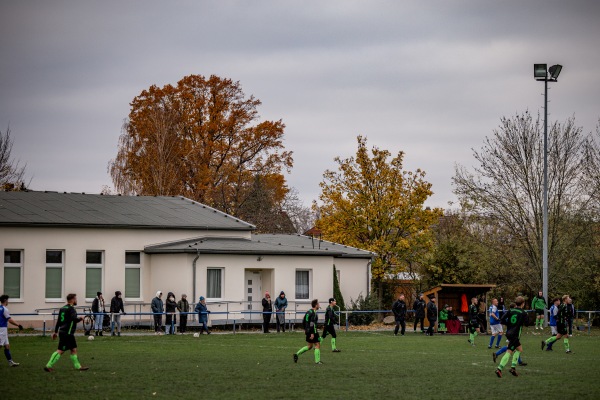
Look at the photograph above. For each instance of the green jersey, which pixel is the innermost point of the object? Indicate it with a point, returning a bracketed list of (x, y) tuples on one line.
[(67, 320), (310, 322), (514, 320), (538, 303)]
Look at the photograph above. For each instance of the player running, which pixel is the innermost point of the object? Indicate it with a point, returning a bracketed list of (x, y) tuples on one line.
[(312, 335), (66, 324), (331, 321), (6, 319), (561, 326), (495, 324), (514, 320)]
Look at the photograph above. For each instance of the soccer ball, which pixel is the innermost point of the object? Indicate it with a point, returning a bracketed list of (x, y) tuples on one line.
[(196, 334), (90, 338)]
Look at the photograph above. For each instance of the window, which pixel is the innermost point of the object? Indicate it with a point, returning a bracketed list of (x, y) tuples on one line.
[(93, 273), (13, 271), (133, 275), (54, 274), (302, 284), (214, 283)]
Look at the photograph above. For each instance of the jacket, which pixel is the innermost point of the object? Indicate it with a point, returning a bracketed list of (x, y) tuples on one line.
[(157, 305), (97, 305), (419, 307), (330, 316), (202, 312), (399, 309), (183, 306), (538, 303), (443, 315), (280, 304), (267, 305), (170, 305), (116, 305), (432, 311)]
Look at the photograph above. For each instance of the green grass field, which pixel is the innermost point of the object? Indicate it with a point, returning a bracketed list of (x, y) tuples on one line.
[(254, 366)]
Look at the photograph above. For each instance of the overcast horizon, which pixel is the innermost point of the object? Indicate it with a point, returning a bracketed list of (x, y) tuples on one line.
[(431, 79)]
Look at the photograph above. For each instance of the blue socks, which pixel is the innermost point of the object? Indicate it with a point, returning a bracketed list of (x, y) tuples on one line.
[(491, 341), (499, 339), (7, 354)]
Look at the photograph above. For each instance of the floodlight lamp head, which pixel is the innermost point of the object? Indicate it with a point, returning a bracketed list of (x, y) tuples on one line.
[(540, 71), (555, 71)]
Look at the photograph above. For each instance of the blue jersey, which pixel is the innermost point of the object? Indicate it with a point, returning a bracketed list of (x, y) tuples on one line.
[(494, 310), (4, 317), (553, 311)]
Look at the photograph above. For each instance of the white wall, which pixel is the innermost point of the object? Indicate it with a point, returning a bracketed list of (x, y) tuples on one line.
[(353, 277)]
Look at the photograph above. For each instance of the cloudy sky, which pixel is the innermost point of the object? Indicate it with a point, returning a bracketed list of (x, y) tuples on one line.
[(430, 78)]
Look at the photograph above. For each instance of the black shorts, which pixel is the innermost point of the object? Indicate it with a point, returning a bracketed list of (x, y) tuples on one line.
[(473, 326), (513, 343), (539, 312), (330, 329), (66, 342), (562, 329), (315, 338)]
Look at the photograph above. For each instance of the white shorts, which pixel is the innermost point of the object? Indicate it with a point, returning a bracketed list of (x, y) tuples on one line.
[(496, 329), (554, 330), (3, 336)]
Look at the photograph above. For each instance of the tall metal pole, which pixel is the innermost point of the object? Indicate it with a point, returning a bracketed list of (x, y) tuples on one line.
[(545, 201)]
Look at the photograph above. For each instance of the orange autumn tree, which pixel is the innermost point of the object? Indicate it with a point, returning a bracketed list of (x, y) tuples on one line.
[(202, 139), (370, 202)]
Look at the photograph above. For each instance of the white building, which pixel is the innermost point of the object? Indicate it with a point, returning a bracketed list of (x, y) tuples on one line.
[(60, 243)]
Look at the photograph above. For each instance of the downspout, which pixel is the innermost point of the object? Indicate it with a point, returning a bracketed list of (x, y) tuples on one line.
[(369, 276), (194, 274)]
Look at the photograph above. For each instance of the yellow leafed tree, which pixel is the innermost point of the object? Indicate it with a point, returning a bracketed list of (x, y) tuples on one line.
[(370, 202)]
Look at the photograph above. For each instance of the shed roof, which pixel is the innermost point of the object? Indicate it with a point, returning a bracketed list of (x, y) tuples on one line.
[(54, 209), (260, 244)]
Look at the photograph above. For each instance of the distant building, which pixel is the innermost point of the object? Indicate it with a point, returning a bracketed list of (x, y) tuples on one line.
[(57, 243)]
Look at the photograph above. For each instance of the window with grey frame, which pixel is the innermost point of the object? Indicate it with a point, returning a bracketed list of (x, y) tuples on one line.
[(54, 274), (133, 275), (302, 284), (93, 273), (214, 283), (13, 271)]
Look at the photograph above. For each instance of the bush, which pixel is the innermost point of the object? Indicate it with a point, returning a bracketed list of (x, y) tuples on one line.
[(369, 303)]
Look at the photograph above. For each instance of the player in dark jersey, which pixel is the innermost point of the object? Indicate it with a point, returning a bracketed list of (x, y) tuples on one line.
[(514, 320), (312, 335), (66, 324), (561, 326), (503, 349), (330, 321), (473, 321)]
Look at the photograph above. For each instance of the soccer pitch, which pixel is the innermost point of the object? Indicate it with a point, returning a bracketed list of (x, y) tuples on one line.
[(253, 366)]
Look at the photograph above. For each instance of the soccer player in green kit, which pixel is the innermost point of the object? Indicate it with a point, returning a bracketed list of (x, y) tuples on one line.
[(561, 326), (473, 321), (514, 320), (66, 324), (312, 335), (330, 322)]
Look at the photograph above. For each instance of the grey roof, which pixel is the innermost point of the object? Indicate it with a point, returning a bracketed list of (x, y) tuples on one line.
[(260, 244), (94, 210)]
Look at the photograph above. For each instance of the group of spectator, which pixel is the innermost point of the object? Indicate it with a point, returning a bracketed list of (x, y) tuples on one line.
[(279, 306), (170, 308), (100, 315)]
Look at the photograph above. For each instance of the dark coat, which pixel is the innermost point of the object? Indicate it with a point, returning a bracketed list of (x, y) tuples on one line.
[(419, 307), (399, 309), (432, 311), (202, 312), (116, 305)]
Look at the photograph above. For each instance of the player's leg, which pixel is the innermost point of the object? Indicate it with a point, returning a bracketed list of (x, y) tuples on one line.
[(333, 339), (397, 328), (403, 325), (492, 337), (318, 353), (499, 337)]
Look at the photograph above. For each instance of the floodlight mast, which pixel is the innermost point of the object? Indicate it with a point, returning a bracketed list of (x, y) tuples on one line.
[(541, 73)]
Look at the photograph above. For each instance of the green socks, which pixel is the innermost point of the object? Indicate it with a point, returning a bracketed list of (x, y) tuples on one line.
[(53, 359), (317, 355), (75, 361), (333, 344), (472, 336), (515, 358), (567, 347), (551, 340), (302, 350), (504, 361)]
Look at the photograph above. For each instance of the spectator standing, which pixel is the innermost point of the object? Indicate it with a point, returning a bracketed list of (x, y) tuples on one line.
[(203, 312), (170, 309), (281, 304), (267, 306), (66, 325), (432, 315), (157, 307), (6, 319), (399, 310), (98, 309), (538, 304), (419, 308), (116, 308), (184, 307)]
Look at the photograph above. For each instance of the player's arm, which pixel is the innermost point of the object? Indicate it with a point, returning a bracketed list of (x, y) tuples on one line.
[(12, 322)]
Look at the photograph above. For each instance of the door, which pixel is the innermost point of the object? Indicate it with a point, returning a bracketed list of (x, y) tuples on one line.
[(253, 294)]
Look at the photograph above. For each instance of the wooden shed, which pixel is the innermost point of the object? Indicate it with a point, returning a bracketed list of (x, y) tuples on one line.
[(455, 294)]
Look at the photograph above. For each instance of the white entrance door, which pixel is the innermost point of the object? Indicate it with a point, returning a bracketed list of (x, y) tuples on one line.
[(253, 297)]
